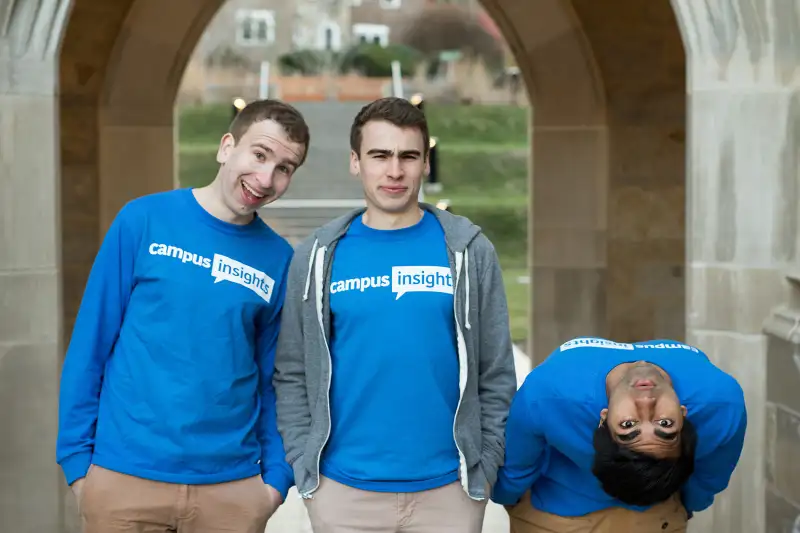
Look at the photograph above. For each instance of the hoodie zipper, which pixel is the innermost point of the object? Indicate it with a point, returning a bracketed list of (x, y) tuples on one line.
[(319, 266), (461, 348)]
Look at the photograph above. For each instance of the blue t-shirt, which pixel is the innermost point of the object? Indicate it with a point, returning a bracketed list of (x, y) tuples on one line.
[(553, 417), (168, 375), (394, 388)]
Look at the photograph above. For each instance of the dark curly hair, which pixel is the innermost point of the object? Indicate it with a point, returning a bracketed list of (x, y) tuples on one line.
[(636, 478)]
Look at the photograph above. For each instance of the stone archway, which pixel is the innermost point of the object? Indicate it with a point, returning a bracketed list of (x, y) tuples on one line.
[(607, 213), (567, 232), (602, 263), (117, 98)]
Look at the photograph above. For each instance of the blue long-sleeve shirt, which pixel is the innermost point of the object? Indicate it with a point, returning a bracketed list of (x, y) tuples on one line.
[(553, 417), (387, 435), (168, 375)]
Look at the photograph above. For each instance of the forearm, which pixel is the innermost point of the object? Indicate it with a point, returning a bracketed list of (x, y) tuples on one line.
[(525, 451), (79, 400), (292, 406), (495, 402), (275, 470), (289, 378), (498, 379), (93, 337), (293, 418)]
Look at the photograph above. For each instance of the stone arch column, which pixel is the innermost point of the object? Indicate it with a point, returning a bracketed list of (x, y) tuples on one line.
[(569, 158), (136, 107), (744, 223), (121, 66), (607, 208), (30, 264), (638, 50)]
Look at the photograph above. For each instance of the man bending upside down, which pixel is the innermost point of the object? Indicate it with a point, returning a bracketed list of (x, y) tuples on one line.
[(616, 437)]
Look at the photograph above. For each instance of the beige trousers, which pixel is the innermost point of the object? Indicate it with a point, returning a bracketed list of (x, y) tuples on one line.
[(337, 508), (112, 503), (667, 517)]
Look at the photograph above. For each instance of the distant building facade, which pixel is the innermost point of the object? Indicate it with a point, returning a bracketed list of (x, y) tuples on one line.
[(252, 31)]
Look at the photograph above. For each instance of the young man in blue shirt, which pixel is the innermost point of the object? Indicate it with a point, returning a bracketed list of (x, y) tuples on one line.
[(167, 411), (607, 437), (394, 371)]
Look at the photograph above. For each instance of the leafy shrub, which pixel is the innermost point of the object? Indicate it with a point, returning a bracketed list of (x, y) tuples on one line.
[(375, 61), (303, 62)]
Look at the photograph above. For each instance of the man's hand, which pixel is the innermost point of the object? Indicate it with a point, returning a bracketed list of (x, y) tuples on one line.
[(275, 499)]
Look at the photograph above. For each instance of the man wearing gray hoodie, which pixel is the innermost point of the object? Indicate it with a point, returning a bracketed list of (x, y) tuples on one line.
[(394, 370)]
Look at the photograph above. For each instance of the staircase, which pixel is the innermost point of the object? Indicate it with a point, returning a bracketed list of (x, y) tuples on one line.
[(322, 189)]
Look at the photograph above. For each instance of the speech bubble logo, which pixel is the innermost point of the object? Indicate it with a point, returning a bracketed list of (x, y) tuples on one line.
[(227, 269), (421, 279)]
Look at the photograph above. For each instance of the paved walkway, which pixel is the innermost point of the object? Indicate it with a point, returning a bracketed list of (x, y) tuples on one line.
[(292, 518)]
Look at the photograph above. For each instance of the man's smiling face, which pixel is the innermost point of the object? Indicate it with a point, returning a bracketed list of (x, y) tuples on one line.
[(258, 168)]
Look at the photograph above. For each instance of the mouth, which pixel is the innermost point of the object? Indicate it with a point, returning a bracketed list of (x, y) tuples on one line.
[(394, 189), (643, 384), (251, 196)]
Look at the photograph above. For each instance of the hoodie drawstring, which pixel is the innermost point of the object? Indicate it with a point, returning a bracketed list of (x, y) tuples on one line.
[(311, 257), (466, 289)]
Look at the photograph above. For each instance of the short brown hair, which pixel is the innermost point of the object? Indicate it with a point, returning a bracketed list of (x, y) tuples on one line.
[(397, 111), (284, 114)]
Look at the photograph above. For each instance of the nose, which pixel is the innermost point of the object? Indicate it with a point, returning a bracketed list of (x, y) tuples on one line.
[(395, 168), (645, 404), (264, 177)]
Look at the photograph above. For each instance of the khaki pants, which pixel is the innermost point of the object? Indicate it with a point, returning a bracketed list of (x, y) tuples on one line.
[(337, 508), (112, 502), (667, 517)]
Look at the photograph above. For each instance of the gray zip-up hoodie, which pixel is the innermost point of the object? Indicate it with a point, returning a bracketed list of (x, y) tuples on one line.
[(487, 378)]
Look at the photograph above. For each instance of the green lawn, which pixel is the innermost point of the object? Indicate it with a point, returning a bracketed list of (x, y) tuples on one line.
[(483, 156), (453, 124), (518, 296)]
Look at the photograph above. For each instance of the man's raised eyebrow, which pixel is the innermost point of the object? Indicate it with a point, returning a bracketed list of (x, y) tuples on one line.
[(267, 149), (626, 437), (263, 146), (666, 435)]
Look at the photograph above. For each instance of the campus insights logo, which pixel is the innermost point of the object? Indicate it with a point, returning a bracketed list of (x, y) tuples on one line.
[(402, 280), (223, 268), (227, 269), (421, 279)]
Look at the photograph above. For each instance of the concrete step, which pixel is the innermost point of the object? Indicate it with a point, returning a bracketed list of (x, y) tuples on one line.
[(295, 224)]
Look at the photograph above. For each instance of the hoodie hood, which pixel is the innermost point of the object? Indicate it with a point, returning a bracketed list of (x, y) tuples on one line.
[(459, 231)]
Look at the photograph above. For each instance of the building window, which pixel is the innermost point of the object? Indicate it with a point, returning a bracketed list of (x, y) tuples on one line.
[(329, 36), (372, 33), (255, 27), (391, 4)]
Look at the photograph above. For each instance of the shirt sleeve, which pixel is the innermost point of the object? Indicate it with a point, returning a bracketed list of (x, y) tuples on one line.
[(526, 447), (275, 471), (712, 472), (97, 327)]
